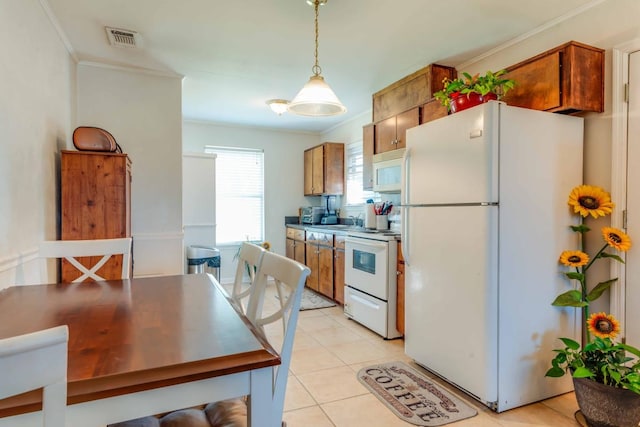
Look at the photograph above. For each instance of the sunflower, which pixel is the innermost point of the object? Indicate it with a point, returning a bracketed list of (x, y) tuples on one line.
[(603, 325), (573, 258), (616, 238), (588, 199)]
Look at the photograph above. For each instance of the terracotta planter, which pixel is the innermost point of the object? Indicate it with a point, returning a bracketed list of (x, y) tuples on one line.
[(606, 406), (461, 102)]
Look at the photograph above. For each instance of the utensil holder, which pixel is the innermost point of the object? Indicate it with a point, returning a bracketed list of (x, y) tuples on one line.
[(369, 216), (382, 222)]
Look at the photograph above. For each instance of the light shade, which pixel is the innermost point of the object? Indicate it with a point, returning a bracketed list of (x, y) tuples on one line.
[(278, 106), (316, 99)]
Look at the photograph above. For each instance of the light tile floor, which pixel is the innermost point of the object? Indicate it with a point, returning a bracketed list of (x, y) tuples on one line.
[(323, 390)]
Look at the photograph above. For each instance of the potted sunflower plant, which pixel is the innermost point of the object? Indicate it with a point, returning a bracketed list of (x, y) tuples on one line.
[(606, 373), (468, 91)]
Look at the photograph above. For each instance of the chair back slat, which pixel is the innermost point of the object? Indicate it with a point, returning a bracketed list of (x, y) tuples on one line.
[(70, 250), (37, 360), (249, 259)]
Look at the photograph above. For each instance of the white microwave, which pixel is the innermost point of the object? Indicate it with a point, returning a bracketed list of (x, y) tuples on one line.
[(387, 171)]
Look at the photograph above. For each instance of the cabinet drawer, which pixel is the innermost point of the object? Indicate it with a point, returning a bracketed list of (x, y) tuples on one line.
[(325, 239), (295, 234)]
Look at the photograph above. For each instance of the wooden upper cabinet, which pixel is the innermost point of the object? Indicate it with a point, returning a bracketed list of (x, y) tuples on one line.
[(385, 135), (404, 121), (566, 79), (308, 172), (409, 92), (396, 108), (324, 169), (390, 134), (432, 110), (367, 156), (95, 203)]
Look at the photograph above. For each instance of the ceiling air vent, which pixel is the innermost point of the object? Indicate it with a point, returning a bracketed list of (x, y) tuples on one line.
[(123, 38)]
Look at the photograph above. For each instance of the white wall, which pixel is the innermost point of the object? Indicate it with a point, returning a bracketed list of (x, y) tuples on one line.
[(36, 86), (143, 112), (283, 170)]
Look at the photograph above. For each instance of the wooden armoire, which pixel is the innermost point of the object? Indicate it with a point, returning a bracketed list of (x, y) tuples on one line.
[(95, 203)]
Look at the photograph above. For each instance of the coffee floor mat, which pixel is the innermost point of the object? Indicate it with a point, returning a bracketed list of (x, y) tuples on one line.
[(413, 397)]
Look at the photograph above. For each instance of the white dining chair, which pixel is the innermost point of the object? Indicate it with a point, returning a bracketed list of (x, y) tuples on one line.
[(35, 361), (288, 277), (249, 259), (70, 250)]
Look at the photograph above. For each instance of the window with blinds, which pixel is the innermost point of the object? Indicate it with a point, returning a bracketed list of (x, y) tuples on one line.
[(239, 194), (355, 161)]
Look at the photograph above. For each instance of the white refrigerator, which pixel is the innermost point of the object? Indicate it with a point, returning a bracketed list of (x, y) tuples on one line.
[(484, 219)]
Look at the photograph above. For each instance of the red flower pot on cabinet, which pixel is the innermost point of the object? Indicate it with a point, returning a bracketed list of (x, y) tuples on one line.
[(460, 101)]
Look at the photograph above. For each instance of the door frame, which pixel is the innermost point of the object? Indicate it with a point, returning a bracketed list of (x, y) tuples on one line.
[(619, 141)]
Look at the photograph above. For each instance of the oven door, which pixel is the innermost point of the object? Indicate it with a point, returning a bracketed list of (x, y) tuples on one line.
[(367, 266)]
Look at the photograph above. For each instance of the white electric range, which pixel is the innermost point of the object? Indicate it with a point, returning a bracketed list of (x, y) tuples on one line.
[(370, 280)]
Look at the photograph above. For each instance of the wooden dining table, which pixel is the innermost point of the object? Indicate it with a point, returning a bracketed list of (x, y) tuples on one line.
[(140, 347)]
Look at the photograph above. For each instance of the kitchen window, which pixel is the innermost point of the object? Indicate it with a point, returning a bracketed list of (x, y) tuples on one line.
[(239, 194), (356, 195)]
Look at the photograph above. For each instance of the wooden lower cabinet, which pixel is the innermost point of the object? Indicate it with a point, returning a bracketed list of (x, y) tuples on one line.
[(295, 247), (325, 266), (319, 248), (400, 292), (338, 269)]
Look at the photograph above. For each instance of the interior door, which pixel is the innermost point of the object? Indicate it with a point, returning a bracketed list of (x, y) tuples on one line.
[(632, 296)]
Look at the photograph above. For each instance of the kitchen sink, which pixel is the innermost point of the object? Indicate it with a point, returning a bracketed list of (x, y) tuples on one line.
[(343, 227)]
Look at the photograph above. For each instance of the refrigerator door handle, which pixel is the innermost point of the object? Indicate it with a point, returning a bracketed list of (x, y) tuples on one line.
[(405, 207)]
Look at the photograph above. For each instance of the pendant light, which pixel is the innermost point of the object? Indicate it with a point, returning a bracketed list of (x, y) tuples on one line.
[(316, 97)]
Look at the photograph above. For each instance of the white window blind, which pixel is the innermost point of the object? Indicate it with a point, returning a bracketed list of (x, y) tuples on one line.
[(239, 194), (355, 161)]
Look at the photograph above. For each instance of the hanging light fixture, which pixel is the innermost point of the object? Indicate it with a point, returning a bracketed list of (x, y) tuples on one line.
[(316, 97)]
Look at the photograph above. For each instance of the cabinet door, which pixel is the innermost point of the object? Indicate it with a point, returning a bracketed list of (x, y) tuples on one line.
[(333, 168), (338, 276), (313, 264), (400, 291), (400, 298), (325, 271), (299, 252), (432, 110), (308, 172), (404, 121), (318, 170), (95, 203), (290, 248), (385, 135), (367, 156)]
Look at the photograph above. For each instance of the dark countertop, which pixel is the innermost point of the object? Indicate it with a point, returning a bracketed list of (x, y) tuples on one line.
[(339, 229), (335, 229)]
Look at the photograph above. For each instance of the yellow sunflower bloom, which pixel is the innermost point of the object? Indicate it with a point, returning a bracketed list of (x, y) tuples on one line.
[(603, 325), (573, 258), (616, 238), (590, 200)]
